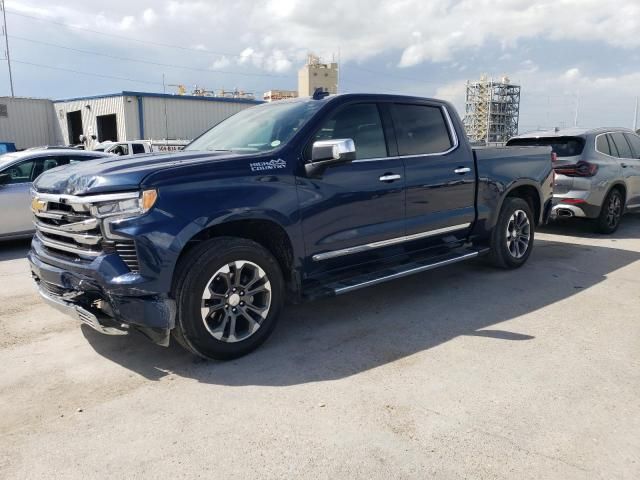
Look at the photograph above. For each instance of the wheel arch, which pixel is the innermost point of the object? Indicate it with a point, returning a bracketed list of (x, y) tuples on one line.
[(265, 231), (529, 192), (620, 185)]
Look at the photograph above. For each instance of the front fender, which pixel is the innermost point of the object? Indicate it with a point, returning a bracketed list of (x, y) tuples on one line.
[(183, 212)]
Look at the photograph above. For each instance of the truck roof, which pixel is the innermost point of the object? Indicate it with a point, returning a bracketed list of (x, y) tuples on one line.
[(361, 96)]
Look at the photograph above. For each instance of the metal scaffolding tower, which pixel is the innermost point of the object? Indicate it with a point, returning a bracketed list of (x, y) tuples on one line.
[(492, 110)]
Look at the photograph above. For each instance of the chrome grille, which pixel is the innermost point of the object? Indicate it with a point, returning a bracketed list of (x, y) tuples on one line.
[(66, 226)]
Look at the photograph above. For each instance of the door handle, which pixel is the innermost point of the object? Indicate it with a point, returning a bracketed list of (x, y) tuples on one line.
[(390, 177), (624, 165), (462, 170)]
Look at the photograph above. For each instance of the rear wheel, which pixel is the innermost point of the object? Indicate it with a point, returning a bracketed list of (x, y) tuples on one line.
[(611, 212), (229, 294), (512, 237)]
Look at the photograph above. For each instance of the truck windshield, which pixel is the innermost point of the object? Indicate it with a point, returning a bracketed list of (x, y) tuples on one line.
[(561, 146), (257, 129)]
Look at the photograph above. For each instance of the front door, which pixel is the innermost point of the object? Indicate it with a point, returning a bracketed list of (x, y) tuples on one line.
[(354, 206), (440, 173)]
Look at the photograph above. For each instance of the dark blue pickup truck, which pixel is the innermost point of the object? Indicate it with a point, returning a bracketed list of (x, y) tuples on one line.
[(280, 203)]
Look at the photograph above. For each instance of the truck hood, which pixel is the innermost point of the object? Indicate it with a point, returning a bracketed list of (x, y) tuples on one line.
[(118, 173)]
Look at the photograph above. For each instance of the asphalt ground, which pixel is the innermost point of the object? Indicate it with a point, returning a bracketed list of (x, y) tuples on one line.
[(462, 372)]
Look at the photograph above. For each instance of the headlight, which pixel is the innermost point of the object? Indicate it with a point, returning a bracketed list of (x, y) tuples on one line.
[(117, 210), (126, 208)]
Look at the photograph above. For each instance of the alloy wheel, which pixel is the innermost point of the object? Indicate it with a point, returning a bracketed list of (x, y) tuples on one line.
[(518, 234), (614, 210), (235, 301)]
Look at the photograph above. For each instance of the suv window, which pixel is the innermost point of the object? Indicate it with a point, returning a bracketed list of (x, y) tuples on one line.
[(137, 148), (612, 146), (634, 141), (624, 151), (561, 146), (362, 124), (602, 145), (420, 129)]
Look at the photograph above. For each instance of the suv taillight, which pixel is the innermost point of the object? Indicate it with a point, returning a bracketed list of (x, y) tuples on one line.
[(580, 169)]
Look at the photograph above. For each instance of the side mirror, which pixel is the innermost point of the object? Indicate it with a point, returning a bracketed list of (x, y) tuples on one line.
[(325, 153), (4, 178)]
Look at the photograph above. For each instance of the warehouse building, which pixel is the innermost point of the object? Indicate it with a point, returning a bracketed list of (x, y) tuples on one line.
[(138, 115), (28, 122)]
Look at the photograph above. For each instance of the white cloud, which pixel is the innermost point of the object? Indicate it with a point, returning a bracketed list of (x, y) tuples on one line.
[(427, 38), (127, 22), (149, 17), (220, 63), (417, 31)]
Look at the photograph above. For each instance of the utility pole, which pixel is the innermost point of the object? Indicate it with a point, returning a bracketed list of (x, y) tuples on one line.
[(575, 118), (635, 117), (6, 41), (166, 122)]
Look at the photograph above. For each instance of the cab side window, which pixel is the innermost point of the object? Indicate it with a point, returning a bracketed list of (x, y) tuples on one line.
[(362, 124), (137, 148), (420, 129)]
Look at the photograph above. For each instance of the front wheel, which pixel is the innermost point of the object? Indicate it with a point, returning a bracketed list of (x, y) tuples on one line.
[(229, 293), (512, 237)]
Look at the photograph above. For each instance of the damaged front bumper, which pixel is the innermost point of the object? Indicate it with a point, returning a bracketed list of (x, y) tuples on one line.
[(91, 293)]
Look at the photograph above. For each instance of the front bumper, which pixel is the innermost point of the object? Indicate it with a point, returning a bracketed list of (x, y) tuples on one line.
[(98, 322), (98, 294)]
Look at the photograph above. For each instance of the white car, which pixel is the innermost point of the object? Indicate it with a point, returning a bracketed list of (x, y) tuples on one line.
[(17, 172)]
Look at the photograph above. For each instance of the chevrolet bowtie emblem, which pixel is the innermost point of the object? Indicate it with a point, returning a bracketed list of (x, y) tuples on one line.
[(38, 205)]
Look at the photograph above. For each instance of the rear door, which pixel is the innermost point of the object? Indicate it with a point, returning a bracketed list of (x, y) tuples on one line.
[(354, 206), (630, 167), (440, 174)]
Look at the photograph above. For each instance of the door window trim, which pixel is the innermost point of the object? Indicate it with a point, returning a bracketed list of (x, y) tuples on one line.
[(455, 141)]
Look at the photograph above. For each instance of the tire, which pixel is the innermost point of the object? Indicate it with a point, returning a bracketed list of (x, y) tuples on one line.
[(227, 266), (610, 215), (513, 234)]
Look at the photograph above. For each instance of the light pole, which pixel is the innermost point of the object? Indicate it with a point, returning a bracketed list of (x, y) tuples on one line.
[(6, 41)]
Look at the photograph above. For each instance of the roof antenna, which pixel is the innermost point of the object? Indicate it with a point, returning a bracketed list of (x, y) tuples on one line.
[(319, 93)]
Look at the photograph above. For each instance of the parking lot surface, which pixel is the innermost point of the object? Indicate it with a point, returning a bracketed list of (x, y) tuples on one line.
[(463, 372)]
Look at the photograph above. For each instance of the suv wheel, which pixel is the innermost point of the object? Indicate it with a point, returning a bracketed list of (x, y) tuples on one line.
[(229, 293), (611, 212), (512, 237)]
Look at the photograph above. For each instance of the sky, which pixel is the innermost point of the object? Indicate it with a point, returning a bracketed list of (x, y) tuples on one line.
[(574, 59)]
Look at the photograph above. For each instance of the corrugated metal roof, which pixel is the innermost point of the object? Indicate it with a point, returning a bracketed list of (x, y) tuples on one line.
[(127, 93)]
